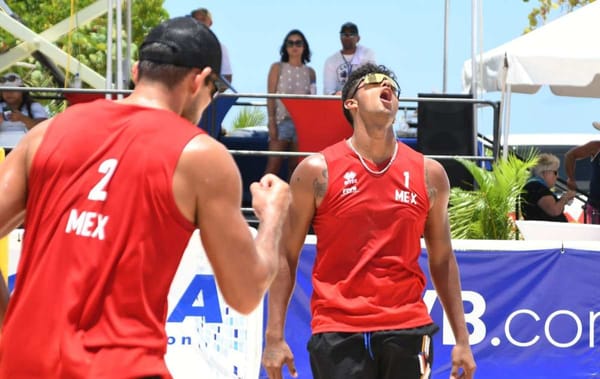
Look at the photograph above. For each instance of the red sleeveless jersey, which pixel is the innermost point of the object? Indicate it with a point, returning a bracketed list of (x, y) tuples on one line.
[(366, 275), (103, 239)]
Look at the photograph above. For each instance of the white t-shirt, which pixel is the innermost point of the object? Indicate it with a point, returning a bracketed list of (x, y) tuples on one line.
[(225, 63), (37, 111), (11, 132), (338, 67)]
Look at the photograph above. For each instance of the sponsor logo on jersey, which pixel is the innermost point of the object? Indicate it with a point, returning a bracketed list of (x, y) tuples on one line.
[(350, 183)]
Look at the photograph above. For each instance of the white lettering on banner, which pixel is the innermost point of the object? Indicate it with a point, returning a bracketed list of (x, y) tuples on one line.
[(86, 224), (472, 318), (548, 330), (593, 317), (549, 335), (479, 329), (509, 335)]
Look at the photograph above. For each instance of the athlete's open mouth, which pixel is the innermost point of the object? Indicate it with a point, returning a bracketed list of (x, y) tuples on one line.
[(386, 94)]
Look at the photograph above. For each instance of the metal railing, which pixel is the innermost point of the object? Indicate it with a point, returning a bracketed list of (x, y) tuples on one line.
[(495, 105)]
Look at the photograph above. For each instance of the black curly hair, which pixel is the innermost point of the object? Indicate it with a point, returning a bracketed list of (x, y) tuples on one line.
[(354, 80), (285, 57)]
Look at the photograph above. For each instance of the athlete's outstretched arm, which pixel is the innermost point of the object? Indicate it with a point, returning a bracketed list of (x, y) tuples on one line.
[(208, 191), (587, 150), (444, 269), (308, 185)]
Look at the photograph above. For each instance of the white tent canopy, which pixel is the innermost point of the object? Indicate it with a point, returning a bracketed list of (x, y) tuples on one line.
[(564, 54)]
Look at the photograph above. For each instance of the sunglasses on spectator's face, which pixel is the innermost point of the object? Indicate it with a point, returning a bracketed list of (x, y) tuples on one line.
[(9, 78), (348, 35), (377, 78), (294, 42)]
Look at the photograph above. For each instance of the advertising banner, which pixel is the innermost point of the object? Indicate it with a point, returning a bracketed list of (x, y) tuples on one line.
[(531, 314), (532, 310)]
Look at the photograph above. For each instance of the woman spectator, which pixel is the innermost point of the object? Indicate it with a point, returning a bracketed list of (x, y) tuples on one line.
[(539, 202), (290, 75), (19, 111)]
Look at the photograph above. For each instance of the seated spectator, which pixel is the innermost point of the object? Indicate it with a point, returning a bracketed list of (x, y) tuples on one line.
[(19, 111), (538, 201)]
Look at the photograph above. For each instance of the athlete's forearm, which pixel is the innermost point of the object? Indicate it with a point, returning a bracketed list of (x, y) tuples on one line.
[(446, 280), (279, 298), (267, 245)]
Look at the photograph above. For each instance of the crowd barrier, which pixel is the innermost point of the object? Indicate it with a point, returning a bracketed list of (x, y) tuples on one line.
[(532, 309)]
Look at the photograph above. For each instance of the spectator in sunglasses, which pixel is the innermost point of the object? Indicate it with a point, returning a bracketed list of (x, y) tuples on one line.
[(538, 201), (369, 199), (19, 111), (290, 75), (340, 65)]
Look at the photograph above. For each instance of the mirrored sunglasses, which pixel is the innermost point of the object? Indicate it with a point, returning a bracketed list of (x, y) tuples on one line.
[(377, 78)]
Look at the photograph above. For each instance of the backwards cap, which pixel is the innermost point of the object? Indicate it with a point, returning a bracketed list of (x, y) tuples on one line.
[(184, 42)]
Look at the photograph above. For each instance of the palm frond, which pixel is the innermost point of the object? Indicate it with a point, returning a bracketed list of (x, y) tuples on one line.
[(488, 212), (249, 116)]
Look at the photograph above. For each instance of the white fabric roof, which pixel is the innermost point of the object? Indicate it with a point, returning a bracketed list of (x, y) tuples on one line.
[(564, 54)]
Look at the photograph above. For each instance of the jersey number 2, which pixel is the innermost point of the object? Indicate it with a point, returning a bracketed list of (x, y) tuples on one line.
[(108, 167)]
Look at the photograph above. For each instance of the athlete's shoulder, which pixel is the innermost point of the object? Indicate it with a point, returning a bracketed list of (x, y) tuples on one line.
[(435, 176)]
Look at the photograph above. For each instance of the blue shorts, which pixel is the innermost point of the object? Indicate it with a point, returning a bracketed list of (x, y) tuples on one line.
[(286, 131)]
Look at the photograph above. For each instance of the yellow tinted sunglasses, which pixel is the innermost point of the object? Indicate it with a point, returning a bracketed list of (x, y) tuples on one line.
[(376, 78)]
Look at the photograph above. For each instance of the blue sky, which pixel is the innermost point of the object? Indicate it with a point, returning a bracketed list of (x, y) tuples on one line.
[(407, 36)]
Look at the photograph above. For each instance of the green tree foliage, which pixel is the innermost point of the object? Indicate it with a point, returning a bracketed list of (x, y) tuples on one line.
[(87, 42), (540, 14), (489, 211)]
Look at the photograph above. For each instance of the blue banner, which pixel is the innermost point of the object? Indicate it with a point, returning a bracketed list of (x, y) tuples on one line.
[(531, 314)]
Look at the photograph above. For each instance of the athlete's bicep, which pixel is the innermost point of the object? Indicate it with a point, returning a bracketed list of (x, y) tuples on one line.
[(208, 191), (13, 179), (437, 226), (307, 186)]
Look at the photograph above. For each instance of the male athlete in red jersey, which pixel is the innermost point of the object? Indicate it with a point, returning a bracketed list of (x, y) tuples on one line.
[(110, 193), (370, 199)]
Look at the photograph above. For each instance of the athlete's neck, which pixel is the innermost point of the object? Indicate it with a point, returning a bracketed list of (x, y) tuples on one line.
[(152, 96), (376, 149)]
